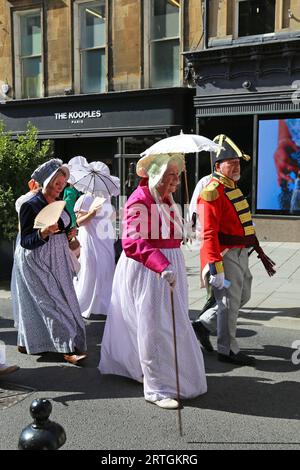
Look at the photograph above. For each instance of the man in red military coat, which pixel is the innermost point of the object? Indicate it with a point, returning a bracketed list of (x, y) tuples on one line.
[(227, 234)]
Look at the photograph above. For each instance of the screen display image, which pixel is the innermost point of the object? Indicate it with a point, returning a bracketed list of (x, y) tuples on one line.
[(278, 166)]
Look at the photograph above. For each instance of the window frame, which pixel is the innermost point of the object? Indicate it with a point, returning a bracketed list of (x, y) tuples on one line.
[(148, 41), (18, 59), (78, 80)]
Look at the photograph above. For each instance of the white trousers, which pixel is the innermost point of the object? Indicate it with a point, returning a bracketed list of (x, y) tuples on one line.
[(223, 316)]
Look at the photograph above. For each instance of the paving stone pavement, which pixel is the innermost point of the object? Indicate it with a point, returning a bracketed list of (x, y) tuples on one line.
[(244, 408)]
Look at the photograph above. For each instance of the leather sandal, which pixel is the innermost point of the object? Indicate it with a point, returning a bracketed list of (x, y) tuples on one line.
[(74, 358)]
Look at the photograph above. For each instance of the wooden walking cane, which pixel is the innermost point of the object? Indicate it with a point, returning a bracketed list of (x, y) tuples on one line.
[(176, 364), (187, 202), (187, 195)]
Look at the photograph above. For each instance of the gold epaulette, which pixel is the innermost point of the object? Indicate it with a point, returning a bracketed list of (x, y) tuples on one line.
[(210, 192)]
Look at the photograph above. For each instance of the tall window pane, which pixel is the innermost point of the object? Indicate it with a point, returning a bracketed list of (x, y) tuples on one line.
[(165, 64), (92, 46), (93, 26), (31, 34), (164, 43), (32, 77), (93, 76), (29, 64)]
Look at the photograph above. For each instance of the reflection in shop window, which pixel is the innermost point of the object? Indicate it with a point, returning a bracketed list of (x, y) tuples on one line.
[(255, 17), (139, 144)]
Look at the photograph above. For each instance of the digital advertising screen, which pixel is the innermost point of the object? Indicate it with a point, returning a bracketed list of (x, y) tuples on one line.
[(278, 166)]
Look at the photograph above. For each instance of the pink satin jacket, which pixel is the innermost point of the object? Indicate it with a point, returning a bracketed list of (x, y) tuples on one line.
[(142, 236)]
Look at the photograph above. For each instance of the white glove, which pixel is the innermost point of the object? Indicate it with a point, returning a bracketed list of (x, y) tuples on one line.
[(217, 280), (169, 276)]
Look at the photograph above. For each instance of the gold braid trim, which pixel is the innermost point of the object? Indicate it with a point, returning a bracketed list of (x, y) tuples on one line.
[(235, 194), (228, 183), (239, 206)]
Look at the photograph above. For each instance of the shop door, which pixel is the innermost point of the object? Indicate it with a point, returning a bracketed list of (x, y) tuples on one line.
[(126, 164)]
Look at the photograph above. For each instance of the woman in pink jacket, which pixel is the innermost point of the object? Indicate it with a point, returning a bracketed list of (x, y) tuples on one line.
[(138, 335)]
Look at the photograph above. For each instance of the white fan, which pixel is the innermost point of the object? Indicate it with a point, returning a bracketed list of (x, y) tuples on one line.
[(49, 215), (97, 203)]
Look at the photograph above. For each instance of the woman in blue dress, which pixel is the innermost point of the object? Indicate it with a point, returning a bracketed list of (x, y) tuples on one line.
[(49, 313)]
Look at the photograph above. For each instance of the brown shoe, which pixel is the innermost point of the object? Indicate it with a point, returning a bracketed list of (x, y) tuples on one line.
[(22, 349), (74, 358), (4, 369)]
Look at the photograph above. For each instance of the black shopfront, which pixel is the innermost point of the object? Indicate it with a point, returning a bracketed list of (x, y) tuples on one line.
[(247, 91), (113, 127)]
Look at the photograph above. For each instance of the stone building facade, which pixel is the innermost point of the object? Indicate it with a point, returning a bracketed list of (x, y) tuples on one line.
[(96, 83), (247, 79), (107, 78)]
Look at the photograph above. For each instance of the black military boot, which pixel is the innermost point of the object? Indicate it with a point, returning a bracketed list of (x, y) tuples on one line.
[(202, 334), (239, 359)]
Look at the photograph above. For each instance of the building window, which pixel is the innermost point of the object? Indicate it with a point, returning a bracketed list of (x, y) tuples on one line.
[(163, 42), (28, 54), (255, 17), (90, 37)]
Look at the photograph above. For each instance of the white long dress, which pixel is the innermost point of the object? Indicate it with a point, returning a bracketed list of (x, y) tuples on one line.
[(138, 336), (97, 259), (13, 282)]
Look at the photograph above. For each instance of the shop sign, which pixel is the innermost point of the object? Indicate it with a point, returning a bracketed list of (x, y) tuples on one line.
[(78, 117)]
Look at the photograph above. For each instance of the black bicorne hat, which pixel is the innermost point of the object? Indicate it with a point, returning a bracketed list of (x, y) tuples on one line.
[(229, 150)]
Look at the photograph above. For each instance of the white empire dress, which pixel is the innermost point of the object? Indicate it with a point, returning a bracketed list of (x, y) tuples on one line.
[(138, 336), (97, 259)]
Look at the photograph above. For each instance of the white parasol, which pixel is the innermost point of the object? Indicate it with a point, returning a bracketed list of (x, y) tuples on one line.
[(177, 144), (93, 178), (182, 143)]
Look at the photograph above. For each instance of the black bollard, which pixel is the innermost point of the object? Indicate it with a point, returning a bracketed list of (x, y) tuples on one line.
[(42, 434)]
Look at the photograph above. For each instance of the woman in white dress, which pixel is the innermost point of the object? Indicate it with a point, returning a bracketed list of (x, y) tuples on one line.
[(97, 258), (138, 335)]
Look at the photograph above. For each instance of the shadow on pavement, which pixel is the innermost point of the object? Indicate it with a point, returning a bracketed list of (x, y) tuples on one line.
[(75, 383), (251, 396), (245, 333), (6, 323), (255, 396), (280, 362), (9, 337), (264, 314)]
